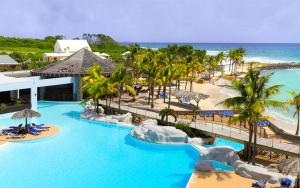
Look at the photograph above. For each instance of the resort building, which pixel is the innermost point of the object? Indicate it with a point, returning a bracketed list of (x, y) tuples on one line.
[(74, 66), (6, 60), (65, 48), (60, 81)]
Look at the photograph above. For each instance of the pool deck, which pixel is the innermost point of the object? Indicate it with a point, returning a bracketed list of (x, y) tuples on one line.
[(220, 179), (53, 130)]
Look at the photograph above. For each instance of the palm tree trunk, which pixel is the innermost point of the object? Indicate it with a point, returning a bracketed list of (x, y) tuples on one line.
[(106, 102), (164, 90), (97, 106), (152, 95), (250, 140), (149, 92), (186, 83), (191, 85), (298, 122), (110, 99), (169, 103), (158, 91), (119, 96), (254, 145)]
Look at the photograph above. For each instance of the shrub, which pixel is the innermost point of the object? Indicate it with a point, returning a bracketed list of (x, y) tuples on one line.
[(191, 132), (185, 128), (2, 106)]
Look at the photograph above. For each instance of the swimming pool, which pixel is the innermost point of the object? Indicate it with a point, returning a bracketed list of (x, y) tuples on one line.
[(222, 142), (91, 154)]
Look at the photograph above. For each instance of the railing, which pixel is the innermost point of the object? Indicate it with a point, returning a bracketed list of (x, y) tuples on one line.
[(219, 130)]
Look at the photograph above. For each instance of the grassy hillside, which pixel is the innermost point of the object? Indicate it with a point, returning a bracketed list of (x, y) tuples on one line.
[(22, 49)]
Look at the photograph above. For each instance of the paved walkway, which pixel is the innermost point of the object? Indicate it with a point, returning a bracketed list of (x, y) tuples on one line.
[(219, 130)]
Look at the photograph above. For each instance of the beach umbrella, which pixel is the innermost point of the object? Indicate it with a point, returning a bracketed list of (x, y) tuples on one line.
[(25, 114), (291, 166)]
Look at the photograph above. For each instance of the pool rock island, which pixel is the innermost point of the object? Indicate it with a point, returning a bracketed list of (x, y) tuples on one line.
[(149, 131)]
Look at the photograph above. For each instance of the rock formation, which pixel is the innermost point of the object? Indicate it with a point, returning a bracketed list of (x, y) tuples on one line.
[(149, 131)]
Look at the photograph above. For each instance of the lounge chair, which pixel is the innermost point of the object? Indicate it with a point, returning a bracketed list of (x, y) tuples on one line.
[(4, 132), (163, 95), (260, 183), (13, 135), (185, 100), (286, 182), (41, 126), (16, 127), (34, 131)]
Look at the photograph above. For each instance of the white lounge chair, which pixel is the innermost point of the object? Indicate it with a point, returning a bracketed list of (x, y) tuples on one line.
[(185, 100)]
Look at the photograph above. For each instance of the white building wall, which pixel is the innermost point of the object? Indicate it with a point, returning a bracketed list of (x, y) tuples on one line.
[(33, 83)]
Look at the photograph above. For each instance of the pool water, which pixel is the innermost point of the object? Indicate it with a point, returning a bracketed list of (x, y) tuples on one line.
[(92, 154), (222, 142)]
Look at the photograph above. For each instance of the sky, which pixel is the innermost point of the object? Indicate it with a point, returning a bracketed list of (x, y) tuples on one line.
[(155, 20)]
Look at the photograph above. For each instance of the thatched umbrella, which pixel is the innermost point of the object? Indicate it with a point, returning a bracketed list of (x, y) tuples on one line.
[(192, 95), (25, 114), (291, 166)]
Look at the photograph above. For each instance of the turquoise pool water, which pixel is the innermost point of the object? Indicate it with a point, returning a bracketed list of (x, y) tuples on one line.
[(222, 142), (89, 154)]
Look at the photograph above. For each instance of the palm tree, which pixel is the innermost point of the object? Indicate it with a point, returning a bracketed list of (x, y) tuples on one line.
[(295, 101), (134, 60), (219, 59), (255, 97), (230, 56), (170, 57), (121, 76), (94, 84), (165, 113), (212, 65), (239, 57), (150, 68)]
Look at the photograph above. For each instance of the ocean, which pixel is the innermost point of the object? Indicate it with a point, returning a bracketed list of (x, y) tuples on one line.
[(261, 52)]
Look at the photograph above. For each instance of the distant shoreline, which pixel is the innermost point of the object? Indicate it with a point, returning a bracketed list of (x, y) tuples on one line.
[(272, 66)]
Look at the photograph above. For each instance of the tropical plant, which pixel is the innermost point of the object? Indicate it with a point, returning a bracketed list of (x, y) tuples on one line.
[(165, 113), (122, 77), (255, 97), (170, 58), (220, 57), (150, 67), (2, 106), (185, 127), (295, 101), (95, 85), (211, 65), (195, 111), (19, 102)]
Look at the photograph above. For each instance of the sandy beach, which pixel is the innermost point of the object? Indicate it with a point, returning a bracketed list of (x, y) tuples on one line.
[(216, 95), (219, 180)]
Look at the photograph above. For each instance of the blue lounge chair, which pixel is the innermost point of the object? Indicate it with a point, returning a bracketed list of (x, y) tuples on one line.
[(16, 127), (34, 131), (40, 127), (15, 135), (163, 95), (286, 182)]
